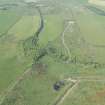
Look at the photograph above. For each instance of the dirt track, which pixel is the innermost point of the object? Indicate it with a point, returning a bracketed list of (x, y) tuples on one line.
[(69, 25)]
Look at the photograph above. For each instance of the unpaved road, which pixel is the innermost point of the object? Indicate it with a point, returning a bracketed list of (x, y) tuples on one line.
[(67, 93), (70, 88), (63, 39), (90, 78)]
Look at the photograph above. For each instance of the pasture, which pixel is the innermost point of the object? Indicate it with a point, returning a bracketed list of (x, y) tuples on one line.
[(69, 48)]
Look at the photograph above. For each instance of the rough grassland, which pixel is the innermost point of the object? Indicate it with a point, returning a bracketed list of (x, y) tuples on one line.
[(36, 88)]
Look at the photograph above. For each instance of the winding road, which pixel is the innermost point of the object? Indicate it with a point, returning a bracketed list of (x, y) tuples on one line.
[(68, 92)]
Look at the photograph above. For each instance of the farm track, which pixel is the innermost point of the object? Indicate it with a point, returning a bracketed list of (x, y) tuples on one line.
[(63, 40), (67, 91), (90, 78), (71, 89)]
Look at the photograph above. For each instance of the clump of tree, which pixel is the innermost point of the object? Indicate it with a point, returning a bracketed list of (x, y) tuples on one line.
[(56, 53), (41, 52), (30, 47), (33, 50)]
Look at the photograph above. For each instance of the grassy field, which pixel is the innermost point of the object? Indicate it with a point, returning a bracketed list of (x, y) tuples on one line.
[(75, 29)]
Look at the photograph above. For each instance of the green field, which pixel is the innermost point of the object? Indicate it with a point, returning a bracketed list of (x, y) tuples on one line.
[(64, 41)]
